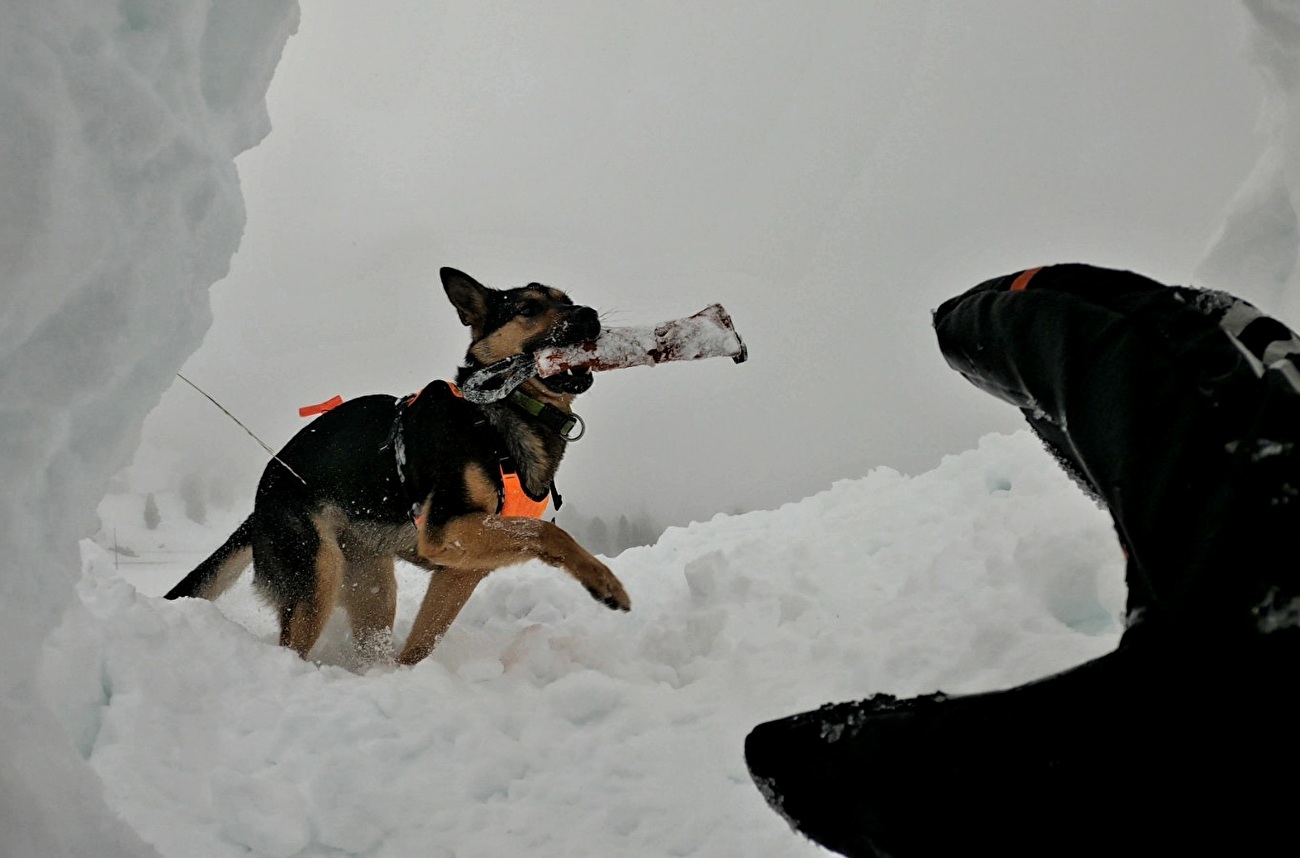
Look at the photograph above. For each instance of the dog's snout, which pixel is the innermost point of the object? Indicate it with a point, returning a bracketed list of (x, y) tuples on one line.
[(586, 323)]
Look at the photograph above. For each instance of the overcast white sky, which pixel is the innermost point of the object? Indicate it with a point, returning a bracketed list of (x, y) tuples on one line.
[(830, 171)]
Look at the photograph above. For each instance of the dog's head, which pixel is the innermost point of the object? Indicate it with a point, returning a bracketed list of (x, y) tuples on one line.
[(508, 322)]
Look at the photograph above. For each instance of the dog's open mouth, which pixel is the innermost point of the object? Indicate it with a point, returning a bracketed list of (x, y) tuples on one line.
[(582, 326), (573, 381)]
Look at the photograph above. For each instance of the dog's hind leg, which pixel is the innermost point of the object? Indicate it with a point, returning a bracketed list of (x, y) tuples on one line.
[(299, 567), (307, 617), (369, 595), (449, 590), (301, 622)]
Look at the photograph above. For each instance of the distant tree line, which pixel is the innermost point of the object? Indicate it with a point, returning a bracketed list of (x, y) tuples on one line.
[(608, 535), (195, 493)]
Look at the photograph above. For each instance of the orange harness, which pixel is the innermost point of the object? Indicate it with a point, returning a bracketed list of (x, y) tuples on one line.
[(515, 501)]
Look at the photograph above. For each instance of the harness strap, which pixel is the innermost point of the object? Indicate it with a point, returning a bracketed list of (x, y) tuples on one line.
[(514, 498)]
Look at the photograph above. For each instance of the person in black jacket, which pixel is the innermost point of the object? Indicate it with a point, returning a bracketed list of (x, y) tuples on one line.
[(1179, 410)]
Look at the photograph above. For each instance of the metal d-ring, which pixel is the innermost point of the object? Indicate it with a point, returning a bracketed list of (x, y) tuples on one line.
[(582, 428)]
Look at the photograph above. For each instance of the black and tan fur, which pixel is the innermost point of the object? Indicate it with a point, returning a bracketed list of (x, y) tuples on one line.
[(335, 508)]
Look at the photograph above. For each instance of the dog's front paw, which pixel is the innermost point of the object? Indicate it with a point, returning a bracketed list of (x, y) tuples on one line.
[(608, 590), (615, 603)]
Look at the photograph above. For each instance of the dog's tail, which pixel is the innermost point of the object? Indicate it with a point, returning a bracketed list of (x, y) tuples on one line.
[(214, 576)]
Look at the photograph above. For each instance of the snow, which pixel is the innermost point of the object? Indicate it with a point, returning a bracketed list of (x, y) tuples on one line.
[(544, 724), (121, 206), (1254, 253)]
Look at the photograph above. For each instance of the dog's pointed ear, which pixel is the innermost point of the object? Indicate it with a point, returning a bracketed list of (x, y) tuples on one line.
[(468, 296)]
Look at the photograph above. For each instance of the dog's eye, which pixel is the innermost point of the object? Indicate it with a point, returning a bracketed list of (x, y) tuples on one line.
[(530, 309)]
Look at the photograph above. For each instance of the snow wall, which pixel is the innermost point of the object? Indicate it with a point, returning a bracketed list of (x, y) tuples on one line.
[(1255, 252), (120, 206)]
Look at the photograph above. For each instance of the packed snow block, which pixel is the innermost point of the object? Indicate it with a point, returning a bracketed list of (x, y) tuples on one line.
[(1156, 750)]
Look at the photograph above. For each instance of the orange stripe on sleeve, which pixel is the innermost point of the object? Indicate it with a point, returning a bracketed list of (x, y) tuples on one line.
[(1022, 282)]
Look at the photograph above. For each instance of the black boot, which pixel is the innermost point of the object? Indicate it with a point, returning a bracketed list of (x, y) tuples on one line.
[(1180, 411), (1150, 751)]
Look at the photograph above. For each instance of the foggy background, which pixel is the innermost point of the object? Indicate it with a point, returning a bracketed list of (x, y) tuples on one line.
[(829, 171)]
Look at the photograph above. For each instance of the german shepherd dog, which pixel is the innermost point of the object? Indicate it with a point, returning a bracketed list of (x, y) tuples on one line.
[(421, 479)]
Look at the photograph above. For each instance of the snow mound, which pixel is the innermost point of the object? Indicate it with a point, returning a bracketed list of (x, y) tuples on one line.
[(546, 725)]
